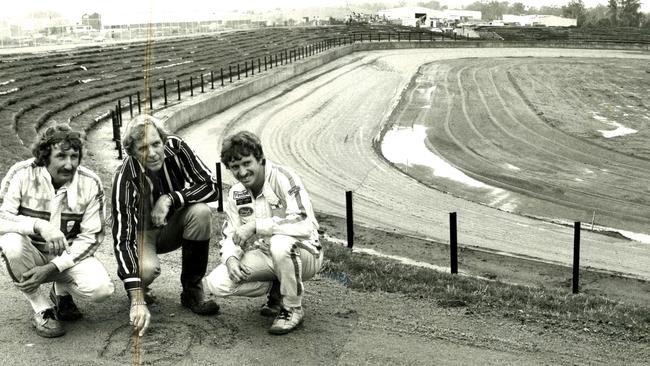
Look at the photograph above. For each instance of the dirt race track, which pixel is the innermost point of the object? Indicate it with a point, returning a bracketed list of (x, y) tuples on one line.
[(326, 125), (328, 122)]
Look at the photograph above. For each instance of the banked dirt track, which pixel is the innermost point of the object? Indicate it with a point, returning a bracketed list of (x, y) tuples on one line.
[(325, 124)]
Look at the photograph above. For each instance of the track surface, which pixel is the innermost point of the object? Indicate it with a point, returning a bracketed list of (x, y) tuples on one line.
[(324, 124)]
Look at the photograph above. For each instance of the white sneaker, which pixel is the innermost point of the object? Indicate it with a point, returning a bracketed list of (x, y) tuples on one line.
[(287, 320), (46, 324)]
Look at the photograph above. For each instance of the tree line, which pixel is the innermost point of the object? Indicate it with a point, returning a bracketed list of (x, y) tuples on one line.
[(617, 13)]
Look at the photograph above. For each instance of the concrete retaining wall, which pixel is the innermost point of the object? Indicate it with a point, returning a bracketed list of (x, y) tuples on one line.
[(204, 105)]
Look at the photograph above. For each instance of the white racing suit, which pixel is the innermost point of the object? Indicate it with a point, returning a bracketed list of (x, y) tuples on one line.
[(285, 247)]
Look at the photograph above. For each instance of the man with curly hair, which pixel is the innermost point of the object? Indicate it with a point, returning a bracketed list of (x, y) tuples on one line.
[(51, 224)]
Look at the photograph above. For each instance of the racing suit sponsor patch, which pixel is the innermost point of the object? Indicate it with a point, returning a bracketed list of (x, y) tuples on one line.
[(243, 201), (245, 211)]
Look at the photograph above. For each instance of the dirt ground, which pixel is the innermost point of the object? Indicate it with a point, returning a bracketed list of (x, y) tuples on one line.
[(343, 326)]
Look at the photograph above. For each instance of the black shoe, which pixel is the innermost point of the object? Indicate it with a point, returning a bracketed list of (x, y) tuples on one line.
[(193, 300), (64, 307), (271, 308)]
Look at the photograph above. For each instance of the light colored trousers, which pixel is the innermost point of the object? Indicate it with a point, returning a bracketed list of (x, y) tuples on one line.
[(285, 261), (87, 279)]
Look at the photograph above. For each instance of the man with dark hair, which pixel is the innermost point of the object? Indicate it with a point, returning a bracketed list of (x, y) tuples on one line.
[(159, 205), (51, 223), (270, 237)]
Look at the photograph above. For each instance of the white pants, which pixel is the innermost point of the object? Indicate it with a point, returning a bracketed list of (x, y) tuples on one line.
[(87, 279), (285, 261)]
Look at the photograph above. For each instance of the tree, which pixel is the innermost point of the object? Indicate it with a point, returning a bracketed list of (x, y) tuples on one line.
[(630, 16), (517, 9), (612, 5), (575, 9), (430, 4), (625, 13), (597, 16)]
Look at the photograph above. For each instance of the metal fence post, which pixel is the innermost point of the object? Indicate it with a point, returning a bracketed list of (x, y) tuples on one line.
[(139, 108), (453, 242), (191, 86), (246, 67), (238, 72), (202, 90), (230, 73), (178, 89), (150, 99), (576, 257), (165, 90), (220, 185), (211, 80), (349, 218), (259, 65), (131, 106)]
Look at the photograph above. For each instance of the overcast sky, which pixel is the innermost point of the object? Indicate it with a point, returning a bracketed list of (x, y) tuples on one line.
[(116, 9)]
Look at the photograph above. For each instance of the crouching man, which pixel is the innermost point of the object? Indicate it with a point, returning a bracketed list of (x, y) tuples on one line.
[(159, 205), (270, 234), (51, 223)]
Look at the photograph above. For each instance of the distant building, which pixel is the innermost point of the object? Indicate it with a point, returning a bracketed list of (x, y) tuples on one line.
[(539, 20), (93, 20), (414, 16)]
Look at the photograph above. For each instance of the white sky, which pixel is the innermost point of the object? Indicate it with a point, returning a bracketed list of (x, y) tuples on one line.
[(116, 9)]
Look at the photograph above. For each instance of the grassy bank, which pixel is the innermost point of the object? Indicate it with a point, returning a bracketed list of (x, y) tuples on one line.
[(547, 307)]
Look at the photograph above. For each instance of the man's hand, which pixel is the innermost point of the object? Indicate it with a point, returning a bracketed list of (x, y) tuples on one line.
[(243, 233), (139, 316), (54, 238), (37, 276), (160, 210), (235, 271)]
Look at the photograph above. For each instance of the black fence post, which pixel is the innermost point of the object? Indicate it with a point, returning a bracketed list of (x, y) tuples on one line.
[(165, 90), (139, 108), (238, 72), (119, 111), (388, 36), (131, 106), (349, 218), (576, 257), (191, 86), (252, 67), (246, 67), (114, 123), (150, 99), (118, 143), (453, 242), (221, 72), (220, 185), (178, 89), (276, 60), (202, 90), (259, 65), (230, 73), (211, 79)]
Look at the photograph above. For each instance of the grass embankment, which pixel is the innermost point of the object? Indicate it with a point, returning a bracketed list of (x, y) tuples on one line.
[(547, 307)]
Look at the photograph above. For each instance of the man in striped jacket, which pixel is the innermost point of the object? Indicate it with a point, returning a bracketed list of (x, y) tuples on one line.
[(270, 237), (51, 223), (159, 205)]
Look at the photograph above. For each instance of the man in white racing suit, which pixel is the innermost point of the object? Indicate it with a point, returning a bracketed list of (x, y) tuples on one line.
[(270, 235)]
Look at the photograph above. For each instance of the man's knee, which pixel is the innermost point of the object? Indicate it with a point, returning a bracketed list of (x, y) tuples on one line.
[(150, 271), (197, 222), (13, 245), (281, 245), (218, 282), (100, 290)]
